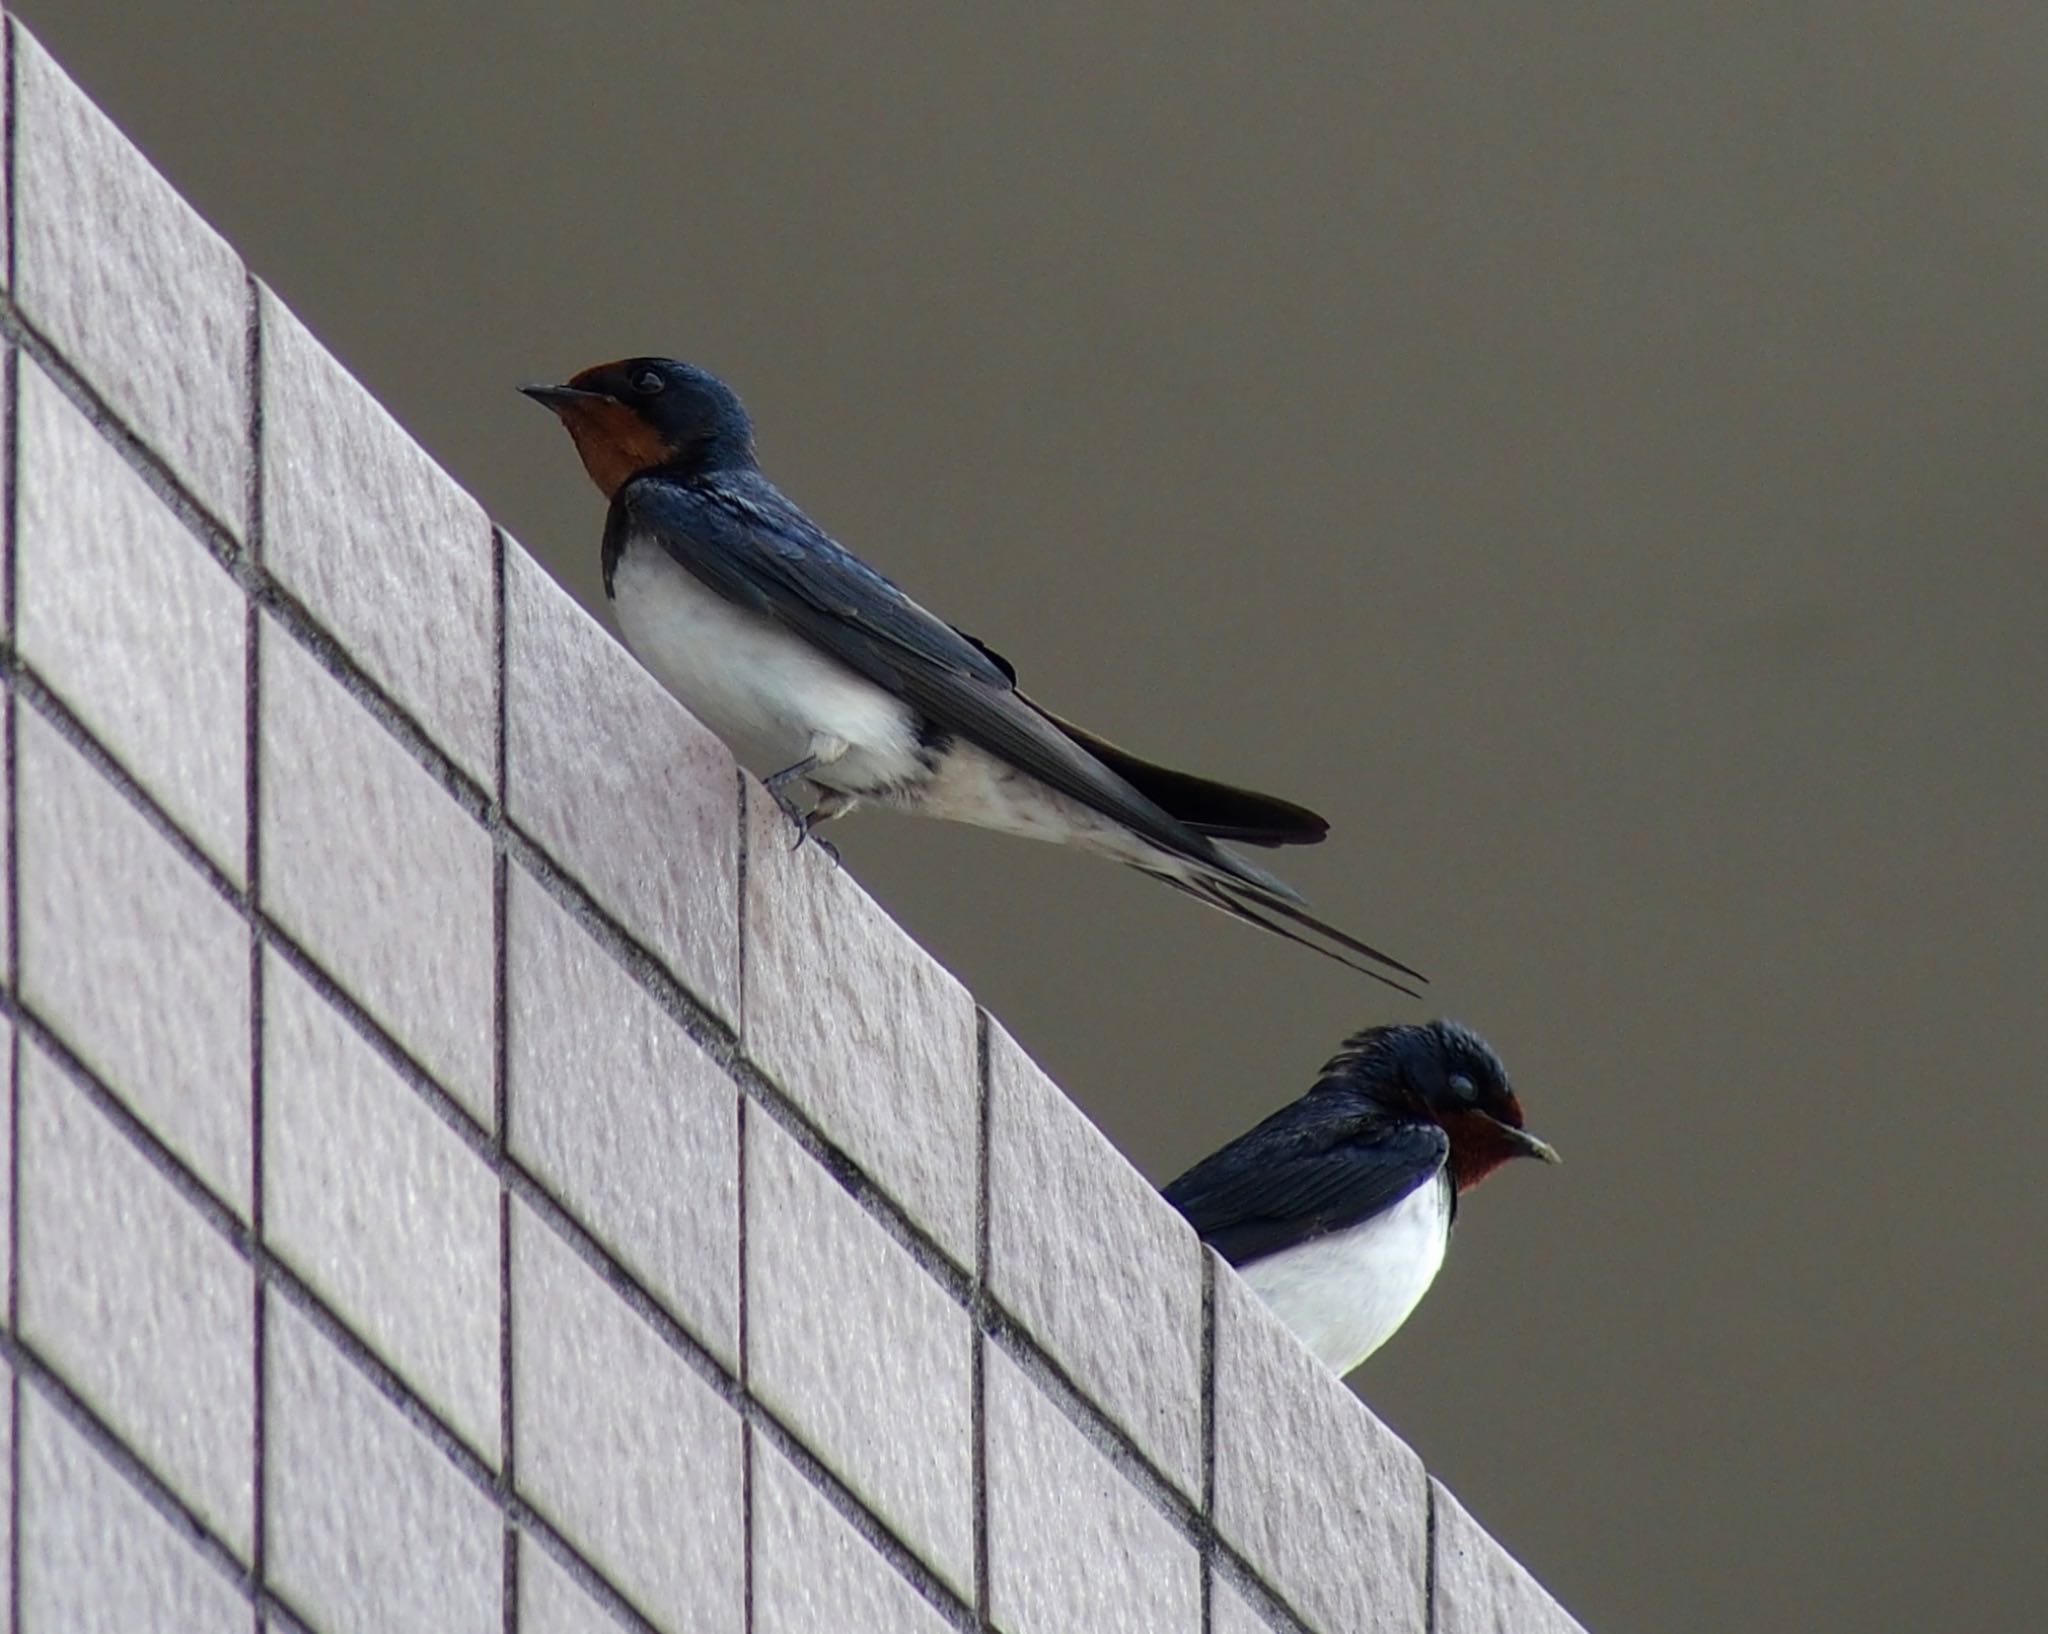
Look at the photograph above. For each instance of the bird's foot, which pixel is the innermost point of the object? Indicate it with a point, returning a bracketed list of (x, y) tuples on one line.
[(799, 818), (802, 819)]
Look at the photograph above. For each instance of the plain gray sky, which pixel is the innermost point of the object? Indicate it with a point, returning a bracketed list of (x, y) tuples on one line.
[(1592, 453)]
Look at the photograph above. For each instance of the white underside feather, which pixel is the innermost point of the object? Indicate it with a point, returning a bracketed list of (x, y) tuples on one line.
[(1346, 1294)]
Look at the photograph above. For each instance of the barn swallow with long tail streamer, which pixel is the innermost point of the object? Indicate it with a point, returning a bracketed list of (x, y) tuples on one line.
[(1338, 1208), (830, 681)]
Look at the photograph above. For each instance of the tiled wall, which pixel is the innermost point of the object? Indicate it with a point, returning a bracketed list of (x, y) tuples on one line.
[(464, 1171)]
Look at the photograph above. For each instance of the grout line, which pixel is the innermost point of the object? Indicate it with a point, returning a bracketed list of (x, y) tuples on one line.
[(740, 914), (507, 1476), (259, 1534), (253, 364), (13, 193), (507, 1472), (1205, 1439), (14, 1474), (501, 672), (10, 509), (501, 1108), (252, 865), (1429, 1555), (745, 1284), (10, 486), (10, 886), (1206, 1412), (252, 674), (748, 1454), (977, 1387), (984, 1099), (978, 1356), (13, 1484)]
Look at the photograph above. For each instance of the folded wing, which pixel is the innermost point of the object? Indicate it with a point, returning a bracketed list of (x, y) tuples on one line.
[(1293, 1179)]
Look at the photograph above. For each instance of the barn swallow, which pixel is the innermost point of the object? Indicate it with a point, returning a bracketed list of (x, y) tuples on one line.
[(1337, 1209), (822, 675)]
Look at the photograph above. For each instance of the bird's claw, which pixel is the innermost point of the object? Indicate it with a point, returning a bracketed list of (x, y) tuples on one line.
[(801, 821)]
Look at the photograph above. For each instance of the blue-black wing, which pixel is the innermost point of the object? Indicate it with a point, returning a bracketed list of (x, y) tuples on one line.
[(743, 539), (750, 544), (1305, 1172)]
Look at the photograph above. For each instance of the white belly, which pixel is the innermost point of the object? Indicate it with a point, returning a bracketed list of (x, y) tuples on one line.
[(773, 697), (970, 785), (1344, 1295)]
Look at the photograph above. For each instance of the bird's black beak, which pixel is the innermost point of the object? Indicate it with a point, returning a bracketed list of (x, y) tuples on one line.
[(1527, 1145), (562, 397)]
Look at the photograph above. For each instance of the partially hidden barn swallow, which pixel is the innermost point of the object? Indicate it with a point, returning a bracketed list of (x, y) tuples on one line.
[(1337, 1209), (823, 676)]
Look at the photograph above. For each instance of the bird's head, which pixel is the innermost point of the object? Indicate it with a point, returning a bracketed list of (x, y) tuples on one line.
[(1445, 1073), (650, 414)]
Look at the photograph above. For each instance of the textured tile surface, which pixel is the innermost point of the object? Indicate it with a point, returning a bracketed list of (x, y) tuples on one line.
[(856, 1349), (131, 621), (620, 1443), (624, 1118), (812, 1571), (1231, 1613), (621, 784), (7, 1479), (372, 867), (370, 1197), (550, 1601), (8, 950), (1073, 1548), (864, 1030), (378, 542), (95, 1557), (1299, 1461), (142, 297), (107, 906), (1092, 1260), (139, 1303), (371, 1530), (1480, 1587), (7, 1045), (6, 113)]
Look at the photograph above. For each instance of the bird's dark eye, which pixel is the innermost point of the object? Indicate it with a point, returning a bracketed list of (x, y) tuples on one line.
[(647, 383), (1463, 1087)]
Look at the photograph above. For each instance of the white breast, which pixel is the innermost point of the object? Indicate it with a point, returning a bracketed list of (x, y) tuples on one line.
[(1344, 1295), (772, 696)]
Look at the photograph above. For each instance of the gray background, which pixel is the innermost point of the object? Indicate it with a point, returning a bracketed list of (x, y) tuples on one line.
[(1592, 453)]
